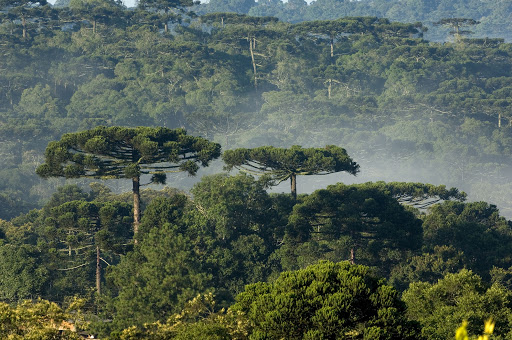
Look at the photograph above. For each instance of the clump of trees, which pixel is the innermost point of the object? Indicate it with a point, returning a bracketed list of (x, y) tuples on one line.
[(117, 152)]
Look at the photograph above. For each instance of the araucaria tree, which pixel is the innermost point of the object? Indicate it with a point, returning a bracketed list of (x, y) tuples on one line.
[(120, 152), (457, 25), (282, 164)]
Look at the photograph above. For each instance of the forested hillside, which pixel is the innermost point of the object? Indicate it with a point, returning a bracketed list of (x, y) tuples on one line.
[(113, 98), (403, 107), (493, 16)]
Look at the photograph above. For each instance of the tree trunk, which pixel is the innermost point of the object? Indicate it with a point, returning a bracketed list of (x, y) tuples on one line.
[(136, 207), (252, 44), (98, 271), (352, 256), (499, 119), (24, 24), (293, 180), (94, 26), (332, 46)]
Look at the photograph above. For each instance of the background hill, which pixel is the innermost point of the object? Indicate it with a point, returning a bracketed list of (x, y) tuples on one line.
[(494, 16)]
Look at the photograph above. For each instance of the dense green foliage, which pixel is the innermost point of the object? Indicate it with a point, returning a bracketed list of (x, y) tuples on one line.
[(231, 233), (359, 222), (325, 301), (439, 307)]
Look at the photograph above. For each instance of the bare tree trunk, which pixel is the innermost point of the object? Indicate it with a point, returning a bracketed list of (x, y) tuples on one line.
[(252, 44), (293, 180), (499, 119), (332, 46), (98, 271), (24, 24), (136, 207), (352, 256)]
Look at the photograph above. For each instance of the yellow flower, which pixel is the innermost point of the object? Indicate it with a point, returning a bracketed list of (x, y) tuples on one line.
[(489, 326), (462, 333), (483, 337)]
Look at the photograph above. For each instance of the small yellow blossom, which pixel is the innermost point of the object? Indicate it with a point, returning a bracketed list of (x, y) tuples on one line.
[(489, 326), (483, 337), (462, 333)]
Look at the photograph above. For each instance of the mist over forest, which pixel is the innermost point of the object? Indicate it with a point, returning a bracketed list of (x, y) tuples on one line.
[(405, 108), (410, 99)]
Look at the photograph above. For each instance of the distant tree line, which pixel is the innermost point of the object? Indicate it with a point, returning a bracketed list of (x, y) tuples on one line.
[(490, 16)]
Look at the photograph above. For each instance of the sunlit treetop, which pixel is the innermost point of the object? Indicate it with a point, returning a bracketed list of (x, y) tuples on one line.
[(119, 152), (282, 164)]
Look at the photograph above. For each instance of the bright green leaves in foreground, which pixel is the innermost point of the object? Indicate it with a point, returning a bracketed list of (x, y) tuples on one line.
[(34, 321), (441, 307), (462, 332), (325, 301)]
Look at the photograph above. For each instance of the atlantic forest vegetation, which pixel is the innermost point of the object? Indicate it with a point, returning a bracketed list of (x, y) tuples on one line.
[(143, 150)]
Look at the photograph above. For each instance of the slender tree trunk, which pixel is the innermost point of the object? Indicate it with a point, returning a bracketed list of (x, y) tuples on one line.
[(24, 24), (166, 24), (293, 180), (136, 207), (457, 36), (352, 256), (499, 119), (252, 44), (98, 271), (332, 46), (94, 26)]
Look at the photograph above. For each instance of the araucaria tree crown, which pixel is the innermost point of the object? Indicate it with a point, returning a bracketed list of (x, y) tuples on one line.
[(283, 164)]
